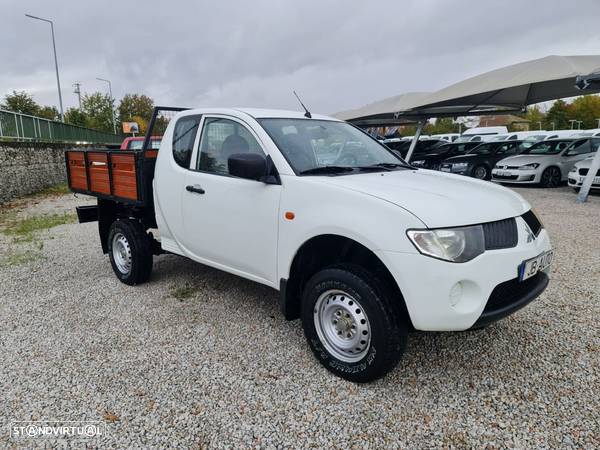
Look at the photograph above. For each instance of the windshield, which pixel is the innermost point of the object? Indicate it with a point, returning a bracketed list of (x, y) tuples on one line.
[(483, 149), (309, 144), (547, 148)]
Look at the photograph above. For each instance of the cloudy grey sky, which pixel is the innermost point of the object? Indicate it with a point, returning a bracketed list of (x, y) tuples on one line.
[(337, 54)]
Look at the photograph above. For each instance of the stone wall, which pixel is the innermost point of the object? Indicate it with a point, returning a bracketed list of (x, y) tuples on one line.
[(27, 168)]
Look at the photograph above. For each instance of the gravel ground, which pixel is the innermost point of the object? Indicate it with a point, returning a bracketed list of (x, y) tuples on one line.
[(199, 358)]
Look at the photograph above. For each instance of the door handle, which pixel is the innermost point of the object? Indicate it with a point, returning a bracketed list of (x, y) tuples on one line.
[(195, 188)]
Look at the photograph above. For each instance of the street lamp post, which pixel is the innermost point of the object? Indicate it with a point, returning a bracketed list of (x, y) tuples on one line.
[(111, 106), (62, 115)]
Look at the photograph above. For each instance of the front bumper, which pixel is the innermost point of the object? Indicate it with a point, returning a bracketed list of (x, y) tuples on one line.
[(510, 296), (515, 176), (445, 296), (576, 180)]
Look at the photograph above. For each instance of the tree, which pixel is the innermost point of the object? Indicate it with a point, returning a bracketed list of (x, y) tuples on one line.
[(587, 109), (21, 102), (557, 117), (535, 117), (48, 112), (76, 116), (135, 105), (98, 111)]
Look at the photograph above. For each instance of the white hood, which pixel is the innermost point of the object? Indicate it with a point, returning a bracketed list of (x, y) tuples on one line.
[(437, 198), (521, 160)]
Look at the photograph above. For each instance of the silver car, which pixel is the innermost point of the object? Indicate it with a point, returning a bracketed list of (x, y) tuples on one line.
[(547, 163)]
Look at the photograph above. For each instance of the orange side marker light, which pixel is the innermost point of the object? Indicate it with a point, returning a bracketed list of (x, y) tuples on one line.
[(289, 215)]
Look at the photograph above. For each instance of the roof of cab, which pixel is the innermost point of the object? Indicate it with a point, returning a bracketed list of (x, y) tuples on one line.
[(259, 113)]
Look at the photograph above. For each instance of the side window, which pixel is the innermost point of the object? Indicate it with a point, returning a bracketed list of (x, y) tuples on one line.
[(595, 144), (506, 149), (220, 139), (183, 139), (579, 148)]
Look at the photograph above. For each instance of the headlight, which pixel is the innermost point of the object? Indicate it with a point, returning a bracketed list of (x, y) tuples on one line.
[(450, 244), (529, 166), (574, 170), (460, 165)]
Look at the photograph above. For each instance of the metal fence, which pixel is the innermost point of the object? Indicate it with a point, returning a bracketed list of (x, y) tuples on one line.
[(23, 127)]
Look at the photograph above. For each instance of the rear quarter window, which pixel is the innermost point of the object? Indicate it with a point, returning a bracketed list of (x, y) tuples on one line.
[(184, 135)]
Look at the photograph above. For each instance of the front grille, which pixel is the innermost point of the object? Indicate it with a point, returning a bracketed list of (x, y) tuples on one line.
[(500, 234), (511, 291), (586, 171), (512, 167), (533, 222)]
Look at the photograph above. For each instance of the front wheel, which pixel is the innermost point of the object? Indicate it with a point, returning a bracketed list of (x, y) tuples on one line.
[(351, 325), (481, 173), (551, 177), (130, 251)]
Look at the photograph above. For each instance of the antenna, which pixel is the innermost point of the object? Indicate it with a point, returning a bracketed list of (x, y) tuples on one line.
[(307, 113)]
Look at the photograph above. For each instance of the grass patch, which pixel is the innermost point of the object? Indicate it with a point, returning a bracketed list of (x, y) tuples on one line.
[(50, 191), (22, 257), (184, 292), (23, 229)]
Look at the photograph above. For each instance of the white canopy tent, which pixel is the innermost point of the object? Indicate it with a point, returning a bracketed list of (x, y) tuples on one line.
[(505, 90)]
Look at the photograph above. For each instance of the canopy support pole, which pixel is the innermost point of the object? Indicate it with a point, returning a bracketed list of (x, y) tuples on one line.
[(413, 144), (589, 179)]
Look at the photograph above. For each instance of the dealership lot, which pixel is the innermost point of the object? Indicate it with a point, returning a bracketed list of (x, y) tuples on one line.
[(200, 357)]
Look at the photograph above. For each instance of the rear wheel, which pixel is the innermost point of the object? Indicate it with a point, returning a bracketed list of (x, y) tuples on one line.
[(481, 173), (551, 177), (351, 324), (130, 251)]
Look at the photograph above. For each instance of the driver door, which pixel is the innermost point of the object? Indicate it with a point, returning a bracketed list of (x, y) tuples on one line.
[(229, 222)]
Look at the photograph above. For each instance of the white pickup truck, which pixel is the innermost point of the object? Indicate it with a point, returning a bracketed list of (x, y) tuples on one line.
[(361, 246)]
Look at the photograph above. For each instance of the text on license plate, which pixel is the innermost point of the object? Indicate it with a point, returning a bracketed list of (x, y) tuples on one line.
[(530, 267)]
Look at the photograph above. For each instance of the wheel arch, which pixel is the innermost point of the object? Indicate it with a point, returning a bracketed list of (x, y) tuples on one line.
[(324, 250)]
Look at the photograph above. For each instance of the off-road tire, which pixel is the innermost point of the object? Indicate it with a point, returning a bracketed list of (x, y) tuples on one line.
[(139, 245), (388, 324)]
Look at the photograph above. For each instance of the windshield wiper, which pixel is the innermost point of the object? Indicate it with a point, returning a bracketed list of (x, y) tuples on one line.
[(392, 165), (326, 170)]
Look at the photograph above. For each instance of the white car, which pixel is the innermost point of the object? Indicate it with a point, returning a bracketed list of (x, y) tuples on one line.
[(363, 248), (579, 172), (546, 163)]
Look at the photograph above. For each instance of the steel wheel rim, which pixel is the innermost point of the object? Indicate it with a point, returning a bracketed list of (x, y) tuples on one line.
[(342, 325), (121, 252), (480, 173)]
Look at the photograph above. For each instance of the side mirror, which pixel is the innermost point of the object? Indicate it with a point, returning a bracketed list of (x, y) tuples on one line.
[(251, 166)]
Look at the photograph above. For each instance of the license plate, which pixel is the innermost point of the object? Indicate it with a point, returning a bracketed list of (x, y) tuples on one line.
[(530, 267), (445, 169), (596, 180)]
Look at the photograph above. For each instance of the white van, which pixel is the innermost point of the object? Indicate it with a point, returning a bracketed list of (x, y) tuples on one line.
[(481, 134)]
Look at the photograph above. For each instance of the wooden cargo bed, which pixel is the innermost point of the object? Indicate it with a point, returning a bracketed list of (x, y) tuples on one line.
[(118, 175)]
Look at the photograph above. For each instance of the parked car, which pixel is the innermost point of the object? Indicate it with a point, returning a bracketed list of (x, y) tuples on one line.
[(136, 143), (423, 146), (479, 161), (432, 158), (579, 172), (360, 253), (481, 134), (547, 162), (587, 133), (528, 135), (450, 137)]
